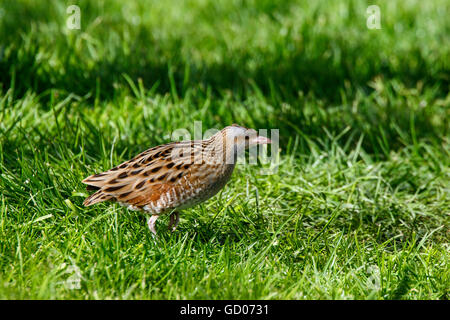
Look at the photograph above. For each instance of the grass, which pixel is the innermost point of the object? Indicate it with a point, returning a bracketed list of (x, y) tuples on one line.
[(358, 209)]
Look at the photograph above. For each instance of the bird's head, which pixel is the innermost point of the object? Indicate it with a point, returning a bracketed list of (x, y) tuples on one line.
[(236, 139), (242, 137)]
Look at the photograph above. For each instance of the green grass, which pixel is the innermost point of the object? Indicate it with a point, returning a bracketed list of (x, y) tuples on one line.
[(358, 209)]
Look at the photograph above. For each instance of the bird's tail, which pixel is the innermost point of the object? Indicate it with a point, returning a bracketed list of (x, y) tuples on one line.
[(96, 197)]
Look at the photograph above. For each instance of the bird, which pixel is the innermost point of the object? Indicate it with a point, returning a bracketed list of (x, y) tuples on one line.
[(178, 175)]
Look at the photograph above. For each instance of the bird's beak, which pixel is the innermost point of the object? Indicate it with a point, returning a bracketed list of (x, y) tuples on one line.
[(261, 140)]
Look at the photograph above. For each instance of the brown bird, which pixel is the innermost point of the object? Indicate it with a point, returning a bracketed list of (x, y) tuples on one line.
[(173, 176)]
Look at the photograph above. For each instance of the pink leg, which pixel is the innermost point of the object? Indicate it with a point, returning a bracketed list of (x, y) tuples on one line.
[(152, 223)]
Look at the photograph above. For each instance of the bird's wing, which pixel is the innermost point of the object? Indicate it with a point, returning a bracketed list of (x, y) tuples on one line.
[(145, 177)]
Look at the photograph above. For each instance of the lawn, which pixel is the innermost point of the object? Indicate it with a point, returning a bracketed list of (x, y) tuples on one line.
[(359, 207)]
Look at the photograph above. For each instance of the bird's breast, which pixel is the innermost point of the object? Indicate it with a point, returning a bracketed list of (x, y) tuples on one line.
[(205, 184)]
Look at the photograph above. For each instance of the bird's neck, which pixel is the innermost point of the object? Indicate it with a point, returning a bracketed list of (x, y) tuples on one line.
[(222, 150)]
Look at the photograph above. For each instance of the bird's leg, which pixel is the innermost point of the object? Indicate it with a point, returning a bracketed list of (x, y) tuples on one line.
[(174, 219), (152, 223)]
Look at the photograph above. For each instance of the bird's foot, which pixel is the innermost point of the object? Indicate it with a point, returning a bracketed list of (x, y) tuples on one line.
[(152, 224), (174, 220)]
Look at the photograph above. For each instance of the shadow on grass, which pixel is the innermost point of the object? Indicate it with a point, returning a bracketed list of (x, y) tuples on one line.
[(331, 60)]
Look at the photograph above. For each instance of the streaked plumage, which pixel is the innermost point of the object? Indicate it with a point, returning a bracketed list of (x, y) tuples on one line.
[(173, 176)]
